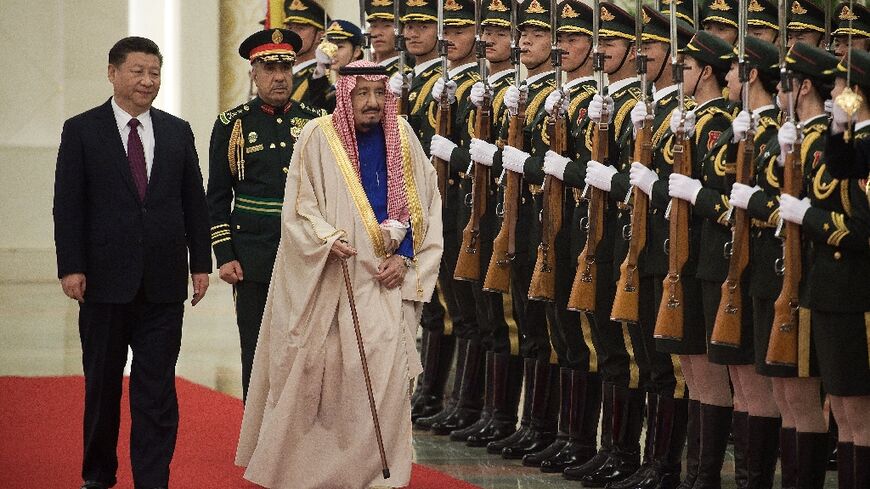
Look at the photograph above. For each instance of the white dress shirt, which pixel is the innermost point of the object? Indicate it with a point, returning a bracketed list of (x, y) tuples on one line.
[(145, 129)]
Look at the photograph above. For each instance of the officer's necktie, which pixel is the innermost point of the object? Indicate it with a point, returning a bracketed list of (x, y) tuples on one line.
[(136, 155)]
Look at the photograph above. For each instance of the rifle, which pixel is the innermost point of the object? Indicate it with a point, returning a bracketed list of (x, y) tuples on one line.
[(442, 168), (504, 246), (670, 320), (367, 36), (399, 34), (782, 348), (626, 303), (727, 328), (543, 284), (468, 263), (583, 289)]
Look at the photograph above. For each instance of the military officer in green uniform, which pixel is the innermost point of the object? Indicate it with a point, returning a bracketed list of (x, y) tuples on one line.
[(762, 20), (308, 20), (719, 17), (854, 20), (380, 15), (806, 23), (249, 152)]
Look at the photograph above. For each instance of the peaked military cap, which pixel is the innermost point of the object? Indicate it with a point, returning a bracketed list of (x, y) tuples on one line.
[(657, 27), (860, 70), (458, 13), (343, 30), (760, 55), (804, 15), (534, 13), (305, 12), (496, 13), (574, 16), (762, 13), (615, 22), (721, 11), (381, 9), (811, 61), (684, 10), (420, 11), (858, 14), (271, 46), (711, 50)]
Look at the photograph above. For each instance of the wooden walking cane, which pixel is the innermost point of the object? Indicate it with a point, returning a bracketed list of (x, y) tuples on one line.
[(365, 367)]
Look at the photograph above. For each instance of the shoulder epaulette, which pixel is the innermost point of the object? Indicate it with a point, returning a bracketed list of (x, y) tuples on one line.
[(713, 110), (230, 115)]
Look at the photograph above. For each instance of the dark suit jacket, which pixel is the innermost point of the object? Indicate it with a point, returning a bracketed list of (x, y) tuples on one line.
[(104, 230)]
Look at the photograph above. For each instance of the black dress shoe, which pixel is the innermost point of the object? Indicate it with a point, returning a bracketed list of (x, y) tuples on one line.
[(94, 485)]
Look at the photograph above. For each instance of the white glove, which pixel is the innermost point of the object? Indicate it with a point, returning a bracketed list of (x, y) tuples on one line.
[(441, 147), (482, 152), (556, 97), (740, 195), (676, 115), (740, 125), (786, 137), (478, 90), (683, 187), (638, 116), (642, 177), (599, 175), (324, 62), (839, 119), (555, 164), (396, 83), (512, 97), (598, 105), (792, 209), (514, 159), (829, 106), (438, 89)]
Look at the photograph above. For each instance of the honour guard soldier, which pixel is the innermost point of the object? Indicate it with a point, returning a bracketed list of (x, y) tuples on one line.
[(761, 21), (249, 152), (381, 17), (719, 17), (307, 19), (340, 46), (839, 255), (806, 23), (852, 19)]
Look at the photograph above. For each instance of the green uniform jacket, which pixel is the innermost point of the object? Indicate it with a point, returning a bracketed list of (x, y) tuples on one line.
[(420, 98), (249, 154)]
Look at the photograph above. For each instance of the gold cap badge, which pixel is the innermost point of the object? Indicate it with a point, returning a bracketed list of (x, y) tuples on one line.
[(847, 14), (569, 12), (452, 6), (535, 8), (497, 6), (797, 8), (416, 3), (606, 15), (754, 6), (297, 5), (720, 5), (382, 3), (646, 18), (277, 37)]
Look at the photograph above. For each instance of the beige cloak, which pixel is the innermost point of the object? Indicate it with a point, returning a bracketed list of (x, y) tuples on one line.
[(307, 422)]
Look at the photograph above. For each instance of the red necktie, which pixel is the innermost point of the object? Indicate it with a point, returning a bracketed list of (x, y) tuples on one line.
[(136, 155)]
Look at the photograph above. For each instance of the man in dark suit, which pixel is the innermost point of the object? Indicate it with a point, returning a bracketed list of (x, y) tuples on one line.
[(129, 210)]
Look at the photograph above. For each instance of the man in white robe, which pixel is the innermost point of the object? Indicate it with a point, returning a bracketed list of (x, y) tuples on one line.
[(359, 188)]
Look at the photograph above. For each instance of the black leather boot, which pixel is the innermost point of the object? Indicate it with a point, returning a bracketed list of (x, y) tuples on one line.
[(507, 383), (788, 457), (577, 472), (861, 466), (418, 385), (582, 432), (833, 442), (715, 428), (693, 444), (426, 422), (762, 447), (812, 460), (535, 459), (545, 411), (628, 408), (846, 466), (496, 446), (437, 360), (740, 438), (646, 471), (470, 403), (486, 413), (671, 429)]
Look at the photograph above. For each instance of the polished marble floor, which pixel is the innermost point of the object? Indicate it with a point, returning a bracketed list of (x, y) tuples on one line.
[(39, 336)]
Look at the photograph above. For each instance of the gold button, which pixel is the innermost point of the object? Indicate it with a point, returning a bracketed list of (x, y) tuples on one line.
[(272, 146), (286, 169), (283, 144), (451, 181), (238, 226), (837, 255), (280, 120)]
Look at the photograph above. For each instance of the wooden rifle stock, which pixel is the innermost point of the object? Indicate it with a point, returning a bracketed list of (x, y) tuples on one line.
[(670, 320), (543, 285), (626, 303), (468, 263), (727, 328), (783, 346), (498, 272), (442, 168), (583, 289)]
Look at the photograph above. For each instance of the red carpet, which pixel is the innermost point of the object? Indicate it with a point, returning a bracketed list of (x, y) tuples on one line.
[(41, 417)]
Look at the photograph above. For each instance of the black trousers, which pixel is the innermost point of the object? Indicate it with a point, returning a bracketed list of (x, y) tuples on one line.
[(153, 332), (250, 304)]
